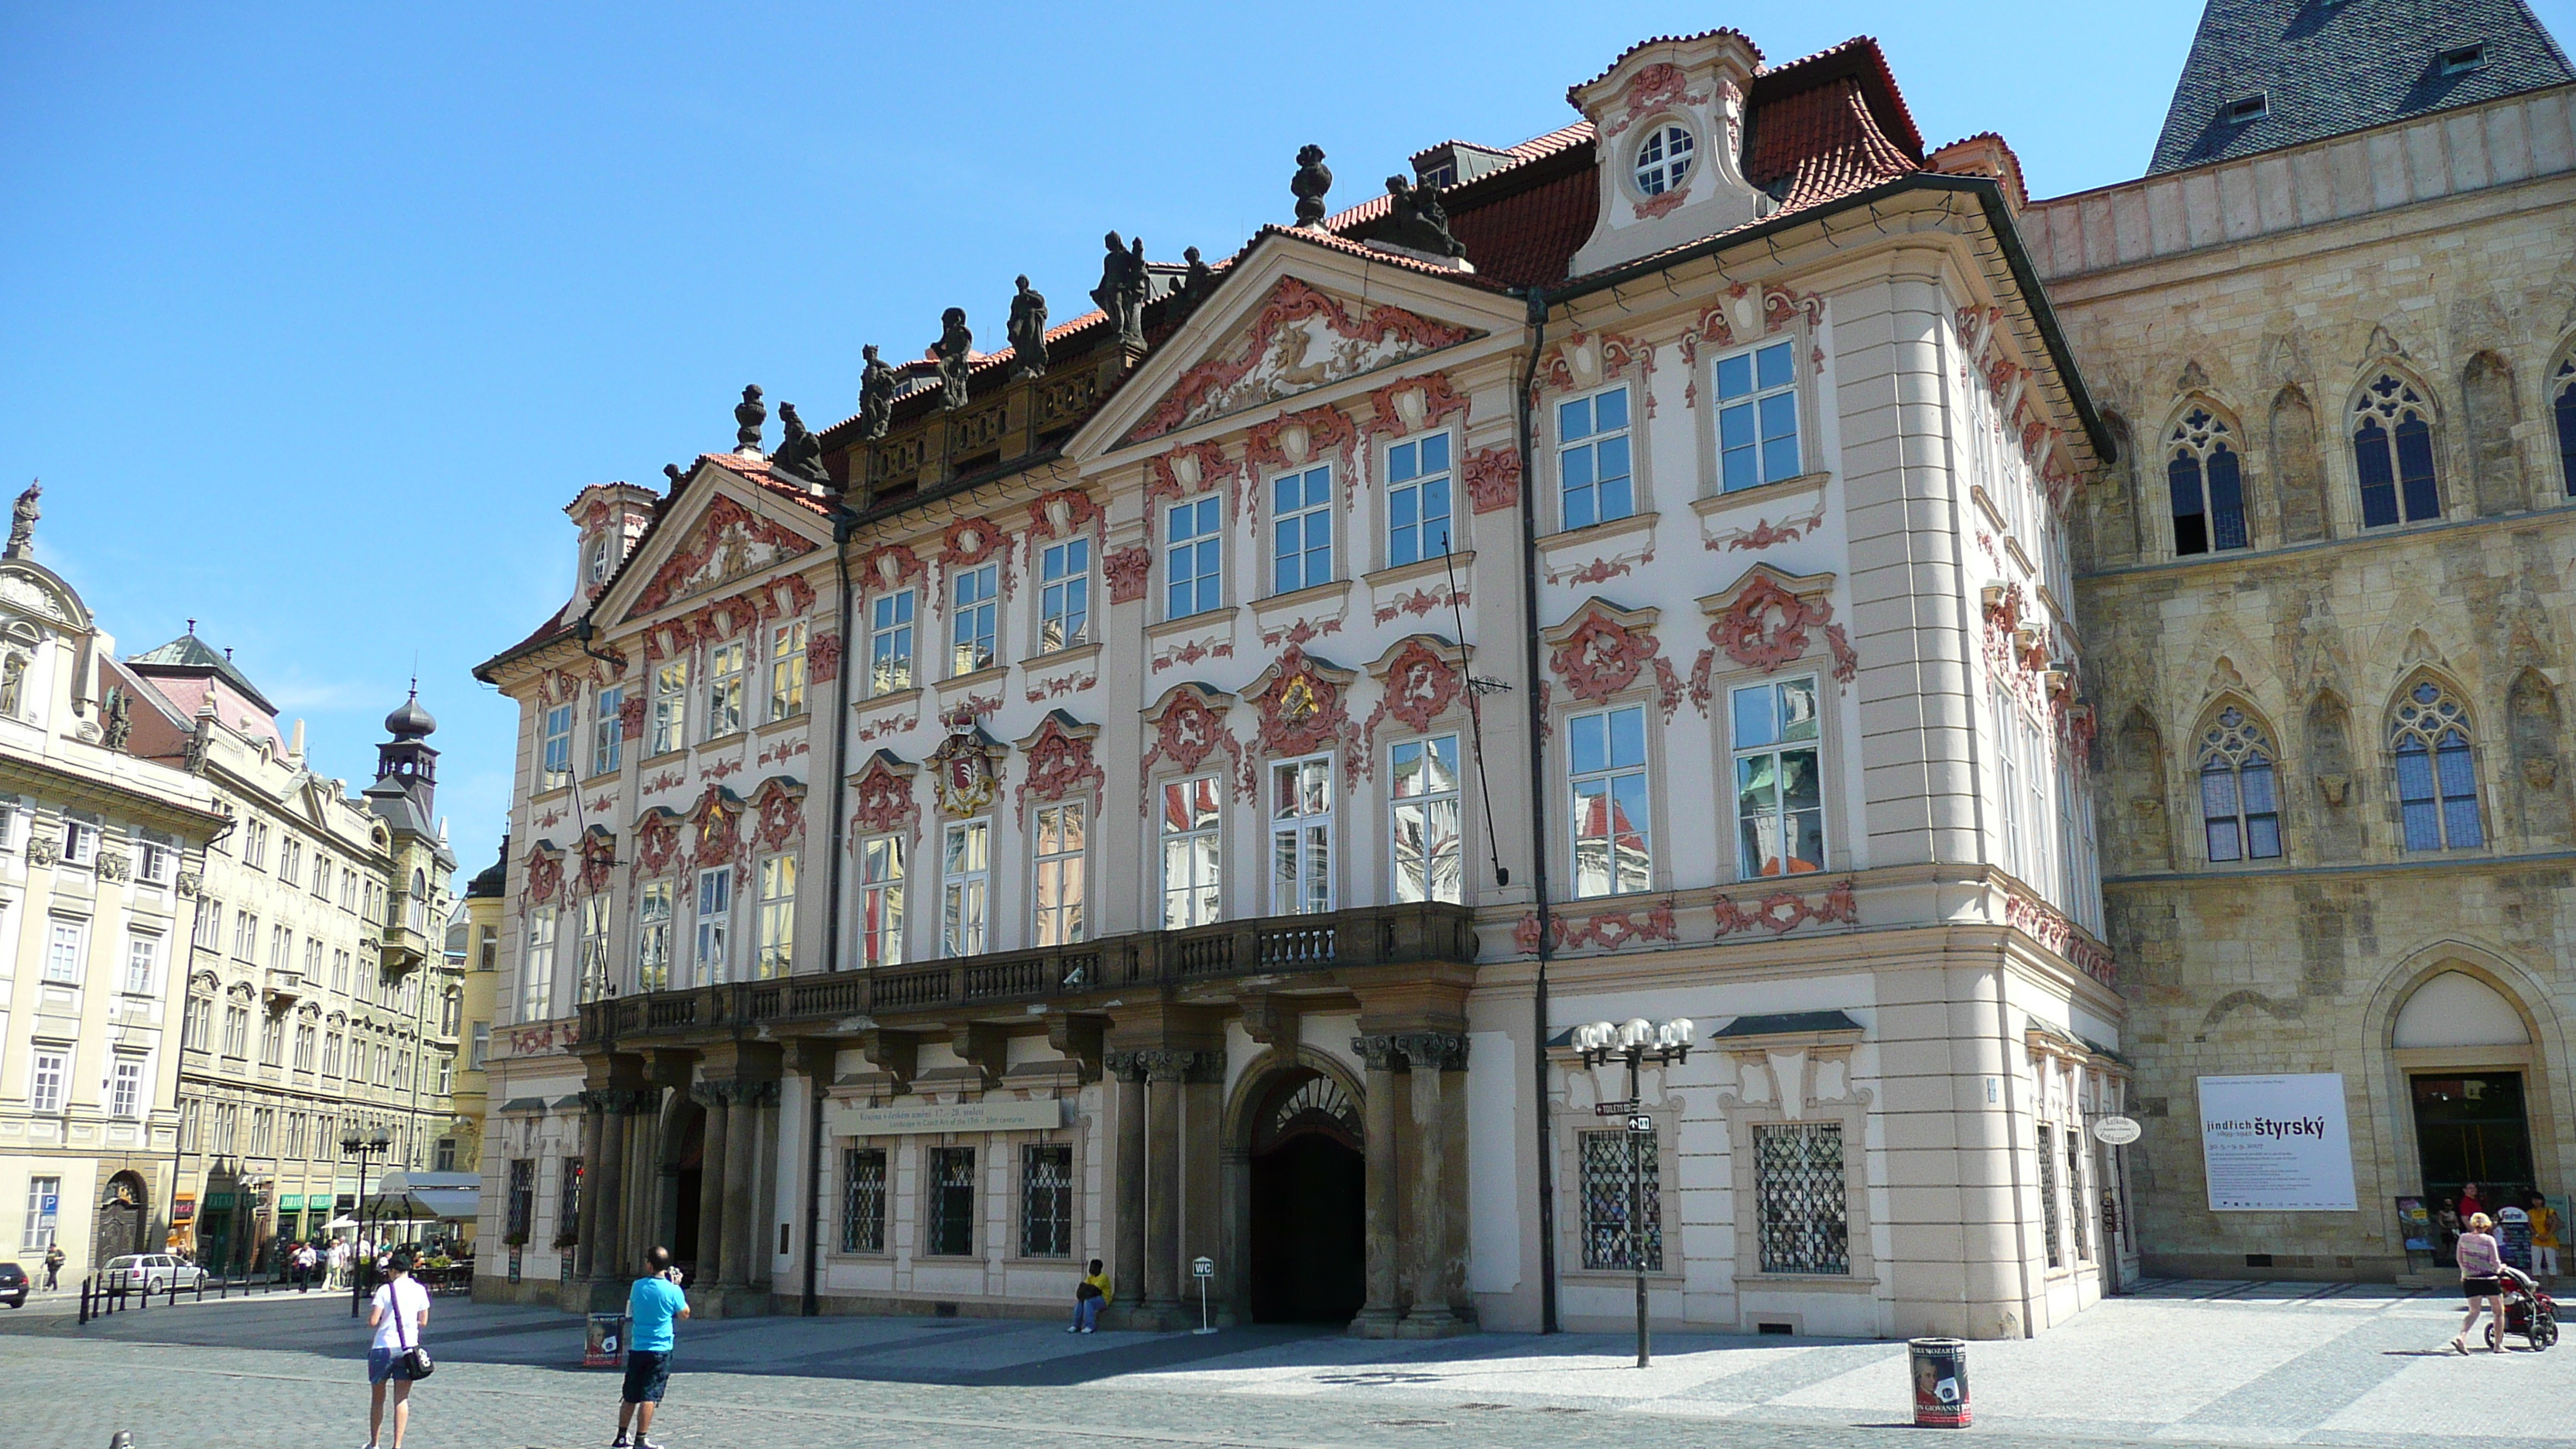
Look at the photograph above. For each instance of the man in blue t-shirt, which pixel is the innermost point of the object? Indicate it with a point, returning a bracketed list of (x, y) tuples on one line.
[(651, 1307)]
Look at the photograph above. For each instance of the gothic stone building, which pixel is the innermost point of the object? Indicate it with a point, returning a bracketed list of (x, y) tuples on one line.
[(2326, 602), (1175, 797)]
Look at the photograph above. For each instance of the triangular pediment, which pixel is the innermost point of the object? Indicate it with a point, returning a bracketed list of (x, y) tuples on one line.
[(726, 532), (1299, 337)]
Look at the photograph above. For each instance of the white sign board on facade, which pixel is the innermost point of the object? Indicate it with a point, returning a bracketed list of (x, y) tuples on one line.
[(2116, 1131), (1044, 1115), (2276, 1143)]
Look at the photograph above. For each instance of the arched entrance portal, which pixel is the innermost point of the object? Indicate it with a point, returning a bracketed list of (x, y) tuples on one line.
[(121, 1219), (1309, 1250), (2465, 1046)]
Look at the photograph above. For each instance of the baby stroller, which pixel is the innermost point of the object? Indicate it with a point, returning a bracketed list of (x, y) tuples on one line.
[(2527, 1311)]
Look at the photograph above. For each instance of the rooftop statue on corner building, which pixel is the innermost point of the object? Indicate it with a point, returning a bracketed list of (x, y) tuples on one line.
[(748, 415), (1421, 223), (1027, 329), (800, 453), (955, 351), (877, 380), (1124, 286), (22, 523)]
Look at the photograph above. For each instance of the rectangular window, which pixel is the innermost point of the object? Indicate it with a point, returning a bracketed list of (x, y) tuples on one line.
[(45, 1081), (1046, 1200), (1612, 820), (727, 665), (152, 862), (715, 925), (272, 1041), (384, 1065), (2048, 1194), (196, 1022), (480, 1049), (255, 844), (1779, 801), (2008, 773), (210, 925), (952, 1202), (263, 1130), (331, 1054), (237, 1031), (1798, 1188), (555, 769), (652, 937), (1757, 416), (1301, 530), (890, 643), (313, 961), (2075, 1193), (863, 1200), (340, 971), (80, 843), (1417, 500), (974, 616), (1064, 596), (608, 730), (142, 960), (881, 900), (1428, 855), (670, 706), (1059, 888), (44, 1201), (1194, 559), (487, 948), (281, 947), (1191, 846), (537, 972), (787, 669), (776, 926), (1613, 1165), (594, 946), (290, 859), (305, 1036), (1592, 459), (245, 936), (1301, 836), (965, 886), (125, 1090), (63, 948), (519, 1213)]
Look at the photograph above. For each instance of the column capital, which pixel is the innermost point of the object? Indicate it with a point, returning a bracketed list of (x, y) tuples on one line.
[(1164, 1065), (1380, 1052), (713, 1093), (1444, 1051)]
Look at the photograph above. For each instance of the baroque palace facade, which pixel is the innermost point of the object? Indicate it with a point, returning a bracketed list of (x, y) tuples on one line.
[(1169, 788)]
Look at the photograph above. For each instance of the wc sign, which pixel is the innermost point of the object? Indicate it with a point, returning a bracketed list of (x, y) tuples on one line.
[(2276, 1143)]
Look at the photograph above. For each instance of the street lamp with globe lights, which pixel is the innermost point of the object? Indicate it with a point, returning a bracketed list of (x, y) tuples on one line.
[(362, 1148), (1637, 1041)]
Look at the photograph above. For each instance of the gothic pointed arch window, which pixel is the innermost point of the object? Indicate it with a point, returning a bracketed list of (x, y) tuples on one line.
[(2205, 483), (2562, 386), (2392, 451), (2437, 777), (2240, 804)]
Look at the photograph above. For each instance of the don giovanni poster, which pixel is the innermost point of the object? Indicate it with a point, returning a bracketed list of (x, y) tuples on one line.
[(2276, 1144)]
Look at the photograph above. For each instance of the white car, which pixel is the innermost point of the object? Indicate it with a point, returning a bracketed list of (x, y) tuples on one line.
[(150, 1273)]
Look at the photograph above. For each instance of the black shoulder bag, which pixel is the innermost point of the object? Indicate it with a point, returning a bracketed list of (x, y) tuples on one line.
[(415, 1362)]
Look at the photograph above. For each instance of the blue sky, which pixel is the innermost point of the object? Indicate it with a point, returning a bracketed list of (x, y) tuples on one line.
[(312, 318)]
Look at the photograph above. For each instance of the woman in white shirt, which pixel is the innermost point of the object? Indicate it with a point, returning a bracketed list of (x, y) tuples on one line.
[(400, 1316)]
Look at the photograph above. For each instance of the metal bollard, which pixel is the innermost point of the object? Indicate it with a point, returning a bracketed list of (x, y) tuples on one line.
[(1940, 1383), (84, 1303)]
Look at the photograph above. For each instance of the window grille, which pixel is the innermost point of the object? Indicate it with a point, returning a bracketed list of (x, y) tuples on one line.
[(1798, 1187), (522, 1208), (2075, 1194), (1046, 1200), (952, 1202), (863, 1200), (2048, 1196), (1607, 1185), (2239, 809)]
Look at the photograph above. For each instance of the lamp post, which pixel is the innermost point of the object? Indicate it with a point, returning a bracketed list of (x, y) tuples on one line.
[(362, 1148), (1637, 1041)]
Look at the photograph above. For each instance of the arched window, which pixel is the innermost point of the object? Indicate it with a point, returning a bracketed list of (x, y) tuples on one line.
[(419, 900), (2239, 808), (2207, 486), (2437, 778), (2392, 449), (2565, 382)]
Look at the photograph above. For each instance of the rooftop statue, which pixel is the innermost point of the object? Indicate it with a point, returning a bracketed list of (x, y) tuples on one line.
[(1027, 329), (955, 351), (1198, 277), (1124, 286), (1421, 224), (800, 453), (22, 523), (1312, 180), (877, 382)]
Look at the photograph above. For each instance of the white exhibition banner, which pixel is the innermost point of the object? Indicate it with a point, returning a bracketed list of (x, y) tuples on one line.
[(1043, 1115), (2276, 1144)]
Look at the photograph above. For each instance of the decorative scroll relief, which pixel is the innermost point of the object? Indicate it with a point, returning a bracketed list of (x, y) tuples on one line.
[(1743, 316), (2045, 925), (717, 827), (1292, 440), (1492, 478), (1303, 631), (966, 771), (545, 873), (1417, 603), (1783, 911), (1407, 406), (1763, 622), (728, 617), (891, 566), (779, 813), (598, 857), (967, 543), (1299, 707), (1584, 360), (1059, 763), (1300, 339), (1602, 570), (1662, 86), (728, 542), (1186, 472), (1419, 683), (1601, 654), (1042, 690), (1191, 651), (1127, 572), (881, 801), (1608, 930), (1063, 513), (1188, 725)]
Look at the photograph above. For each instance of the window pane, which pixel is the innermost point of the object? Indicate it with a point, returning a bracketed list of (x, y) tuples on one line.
[(2378, 480), (1735, 376), (1610, 410), (1589, 736), (1776, 365), (1627, 737)]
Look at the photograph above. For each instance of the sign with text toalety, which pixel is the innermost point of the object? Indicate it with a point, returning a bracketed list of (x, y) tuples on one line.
[(2276, 1144), (1043, 1115)]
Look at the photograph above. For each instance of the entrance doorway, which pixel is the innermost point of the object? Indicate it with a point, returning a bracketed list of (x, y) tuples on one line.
[(2471, 1127), (1309, 1249), (121, 1219), (688, 1178)]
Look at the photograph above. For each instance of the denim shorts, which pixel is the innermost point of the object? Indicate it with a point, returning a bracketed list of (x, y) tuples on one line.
[(648, 1373), (384, 1365)]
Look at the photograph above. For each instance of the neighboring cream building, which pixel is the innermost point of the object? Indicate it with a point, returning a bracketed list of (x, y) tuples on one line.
[(2327, 606), (101, 856), (984, 844)]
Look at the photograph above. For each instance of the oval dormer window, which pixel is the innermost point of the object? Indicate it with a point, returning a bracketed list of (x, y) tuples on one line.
[(1664, 159), (599, 560)]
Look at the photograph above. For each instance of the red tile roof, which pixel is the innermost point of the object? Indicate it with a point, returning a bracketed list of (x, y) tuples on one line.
[(1824, 143), (1655, 40)]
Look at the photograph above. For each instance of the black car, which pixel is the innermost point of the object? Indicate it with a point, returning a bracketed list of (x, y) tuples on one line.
[(13, 1285)]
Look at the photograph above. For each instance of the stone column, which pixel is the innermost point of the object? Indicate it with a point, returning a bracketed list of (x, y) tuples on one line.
[(717, 1098), (1437, 1060), (603, 1198), (1127, 1169), (1202, 1104), (1382, 1213), (586, 1217), (1163, 1073), (754, 1115)]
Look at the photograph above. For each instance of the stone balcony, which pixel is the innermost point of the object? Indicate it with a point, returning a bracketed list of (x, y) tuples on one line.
[(282, 986), (1201, 965)]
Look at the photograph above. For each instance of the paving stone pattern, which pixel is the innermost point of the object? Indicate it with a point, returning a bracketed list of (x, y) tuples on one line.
[(2177, 1364)]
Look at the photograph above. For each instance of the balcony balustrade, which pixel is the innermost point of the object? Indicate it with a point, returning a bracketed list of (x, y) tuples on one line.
[(1199, 957)]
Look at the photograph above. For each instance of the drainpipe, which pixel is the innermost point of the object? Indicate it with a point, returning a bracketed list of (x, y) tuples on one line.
[(1537, 810), (844, 525)]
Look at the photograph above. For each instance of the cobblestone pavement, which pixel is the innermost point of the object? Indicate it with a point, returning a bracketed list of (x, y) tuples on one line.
[(2178, 1364)]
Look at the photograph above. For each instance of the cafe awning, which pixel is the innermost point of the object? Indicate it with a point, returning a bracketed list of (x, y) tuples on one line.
[(447, 1197)]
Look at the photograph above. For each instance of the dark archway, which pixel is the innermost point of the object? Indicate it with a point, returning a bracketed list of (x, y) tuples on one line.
[(688, 1177), (1309, 1247), (122, 1219)]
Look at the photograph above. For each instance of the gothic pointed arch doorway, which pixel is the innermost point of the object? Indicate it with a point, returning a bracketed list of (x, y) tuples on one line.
[(1308, 1248)]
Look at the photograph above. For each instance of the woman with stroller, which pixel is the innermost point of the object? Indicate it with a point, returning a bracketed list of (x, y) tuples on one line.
[(2481, 1268)]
